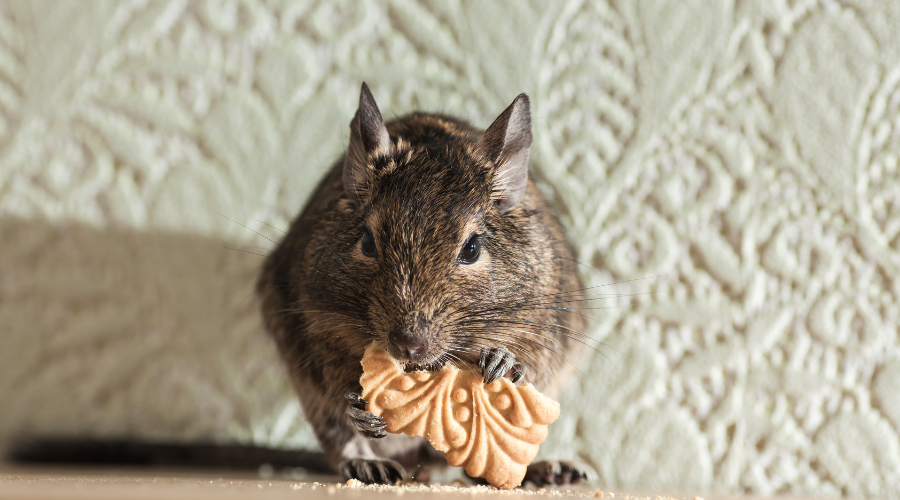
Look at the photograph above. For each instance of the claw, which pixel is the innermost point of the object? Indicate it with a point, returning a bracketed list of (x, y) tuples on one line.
[(355, 399), (549, 472), (373, 471), (518, 371)]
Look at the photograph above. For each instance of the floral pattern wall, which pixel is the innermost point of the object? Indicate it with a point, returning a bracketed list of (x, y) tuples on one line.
[(727, 172)]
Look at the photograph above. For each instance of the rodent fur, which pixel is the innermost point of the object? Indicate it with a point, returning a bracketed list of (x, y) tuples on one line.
[(422, 184)]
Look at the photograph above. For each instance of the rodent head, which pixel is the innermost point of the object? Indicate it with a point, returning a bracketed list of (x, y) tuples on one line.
[(437, 233)]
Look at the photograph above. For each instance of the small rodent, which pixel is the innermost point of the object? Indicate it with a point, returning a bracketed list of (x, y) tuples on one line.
[(429, 237)]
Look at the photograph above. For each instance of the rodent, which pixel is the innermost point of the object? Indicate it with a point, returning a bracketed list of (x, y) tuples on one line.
[(429, 237)]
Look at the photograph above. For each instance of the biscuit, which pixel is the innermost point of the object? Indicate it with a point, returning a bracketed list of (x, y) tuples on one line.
[(492, 430)]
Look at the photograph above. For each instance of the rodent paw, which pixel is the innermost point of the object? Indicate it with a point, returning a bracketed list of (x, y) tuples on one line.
[(551, 472), (364, 421), (373, 470), (495, 362)]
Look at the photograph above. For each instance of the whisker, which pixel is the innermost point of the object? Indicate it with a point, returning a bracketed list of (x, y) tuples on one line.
[(248, 227), (587, 298), (580, 338), (270, 225), (246, 251), (558, 354)]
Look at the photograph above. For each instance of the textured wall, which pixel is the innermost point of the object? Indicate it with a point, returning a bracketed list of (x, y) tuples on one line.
[(742, 156)]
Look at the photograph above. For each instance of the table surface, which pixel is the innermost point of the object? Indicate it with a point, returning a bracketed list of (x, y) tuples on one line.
[(138, 483)]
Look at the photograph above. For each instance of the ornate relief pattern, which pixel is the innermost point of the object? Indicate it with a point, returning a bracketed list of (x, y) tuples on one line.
[(738, 162), (492, 430)]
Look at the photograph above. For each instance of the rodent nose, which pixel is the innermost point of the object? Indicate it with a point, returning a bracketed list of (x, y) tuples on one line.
[(413, 345)]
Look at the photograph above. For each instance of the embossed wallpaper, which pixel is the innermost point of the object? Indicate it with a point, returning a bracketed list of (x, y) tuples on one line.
[(738, 160)]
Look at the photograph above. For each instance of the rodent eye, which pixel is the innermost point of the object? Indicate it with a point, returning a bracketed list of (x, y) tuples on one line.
[(367, 245), (470, 250)]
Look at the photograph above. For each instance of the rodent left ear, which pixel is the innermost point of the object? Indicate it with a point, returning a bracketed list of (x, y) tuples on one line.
[(506, 143), (368, 135)]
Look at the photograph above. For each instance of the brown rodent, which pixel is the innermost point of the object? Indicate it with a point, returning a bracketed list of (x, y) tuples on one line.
[(428, 237)]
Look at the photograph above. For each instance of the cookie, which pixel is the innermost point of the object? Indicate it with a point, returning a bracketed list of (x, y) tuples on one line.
[(492, 430)]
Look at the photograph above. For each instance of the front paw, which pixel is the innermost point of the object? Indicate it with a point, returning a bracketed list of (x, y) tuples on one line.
[(362, 420), (549, 472), (373, 470), (495, 362)]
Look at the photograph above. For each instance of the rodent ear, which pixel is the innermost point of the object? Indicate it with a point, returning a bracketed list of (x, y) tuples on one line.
[(368, 135), (506, 143)]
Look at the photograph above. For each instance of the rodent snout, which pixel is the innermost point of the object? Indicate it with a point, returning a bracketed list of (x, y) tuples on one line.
[(409, 344)]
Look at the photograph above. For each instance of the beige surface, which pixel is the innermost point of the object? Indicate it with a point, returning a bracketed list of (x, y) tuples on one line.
[(741, 155), (137, 483)]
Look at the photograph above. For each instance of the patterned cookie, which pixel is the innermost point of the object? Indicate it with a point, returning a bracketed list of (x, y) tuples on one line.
[(493, 430)]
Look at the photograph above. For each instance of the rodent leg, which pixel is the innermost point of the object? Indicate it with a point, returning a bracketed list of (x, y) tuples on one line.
[(373, 471), (362, 420), (550, 472), (356, 460), (495, 362)]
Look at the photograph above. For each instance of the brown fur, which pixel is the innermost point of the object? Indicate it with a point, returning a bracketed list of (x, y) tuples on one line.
[(422, 197)]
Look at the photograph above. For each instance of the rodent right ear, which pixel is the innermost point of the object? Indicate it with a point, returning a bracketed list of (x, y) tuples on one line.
[(368, 136), (506, 143)]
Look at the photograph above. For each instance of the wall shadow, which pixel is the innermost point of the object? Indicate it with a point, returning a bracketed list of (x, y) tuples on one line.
[(117, 333)]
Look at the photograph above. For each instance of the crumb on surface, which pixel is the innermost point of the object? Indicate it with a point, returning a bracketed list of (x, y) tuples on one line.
[(458, 487)]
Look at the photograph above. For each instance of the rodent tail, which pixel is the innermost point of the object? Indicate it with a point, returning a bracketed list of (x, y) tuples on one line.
[(124, 452)]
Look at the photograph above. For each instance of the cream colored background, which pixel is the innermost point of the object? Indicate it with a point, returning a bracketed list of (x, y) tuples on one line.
[(742, 155)]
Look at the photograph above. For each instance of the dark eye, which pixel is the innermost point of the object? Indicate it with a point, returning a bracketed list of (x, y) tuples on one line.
[(367, 245), (470, 251)]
